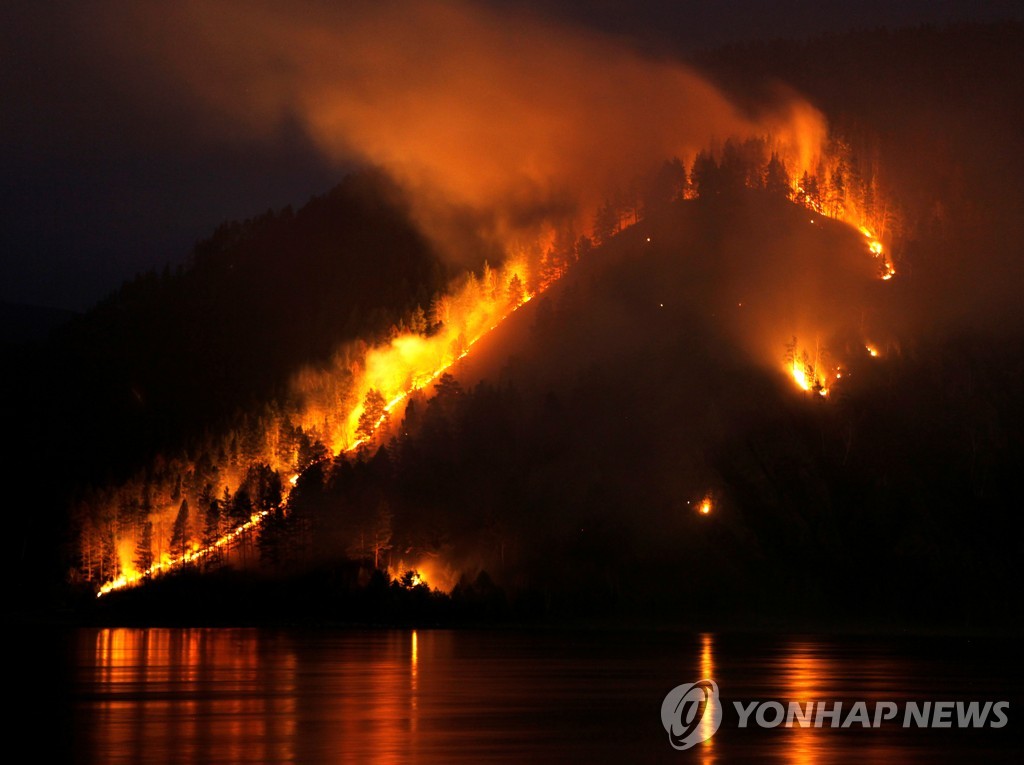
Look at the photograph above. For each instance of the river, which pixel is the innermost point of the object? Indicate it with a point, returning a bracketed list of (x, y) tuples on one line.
[(439, 696)]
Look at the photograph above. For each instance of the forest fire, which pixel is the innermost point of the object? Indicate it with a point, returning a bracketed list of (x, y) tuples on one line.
[(194, 555), (814, 374), (410, 362), (888, 270), (342, 407), (808, 382)]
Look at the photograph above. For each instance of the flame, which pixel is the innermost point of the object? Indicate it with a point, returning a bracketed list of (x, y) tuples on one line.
[(330, 403), (194, 555), (411, 360), (814, 377), (816, 383), (408, 363), (705, 506), (888, 270), (810, 377), (428, 570), (800, 377)]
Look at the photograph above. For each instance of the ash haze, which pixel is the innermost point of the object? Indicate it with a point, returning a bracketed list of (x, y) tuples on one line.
[(113, 163)]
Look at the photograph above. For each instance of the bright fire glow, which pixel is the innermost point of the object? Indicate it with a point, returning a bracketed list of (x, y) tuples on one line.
[(408, 363), (705, 506), (328, 404), (193, 556), (800, 377), (428, 570), (812, 373), (888, 270)]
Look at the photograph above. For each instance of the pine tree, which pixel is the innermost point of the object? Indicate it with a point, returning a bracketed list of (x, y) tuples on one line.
[(606, 222), (705, 175), (811, 194), (144, 548), (180, 531), (776, 179), (264, 487), (308, 450), (516, 291), (667, 186), (837, 192), (211, 508), (373, 413), (110, 563)]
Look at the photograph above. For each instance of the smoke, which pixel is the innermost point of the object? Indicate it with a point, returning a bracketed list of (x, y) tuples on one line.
[(510, 119)]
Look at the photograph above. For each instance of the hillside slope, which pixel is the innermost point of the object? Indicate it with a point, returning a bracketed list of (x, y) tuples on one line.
[(571, 453)]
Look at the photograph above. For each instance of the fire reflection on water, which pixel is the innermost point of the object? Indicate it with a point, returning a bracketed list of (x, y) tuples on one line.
[(806, 674), (448, 697), (707, 672)]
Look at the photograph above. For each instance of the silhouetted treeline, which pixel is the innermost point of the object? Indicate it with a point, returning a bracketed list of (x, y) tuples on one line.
[(171, 361), (171, 354), (344, 592)]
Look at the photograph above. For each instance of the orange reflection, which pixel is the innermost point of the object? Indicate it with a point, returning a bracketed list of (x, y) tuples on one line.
[(806, 676), (707, 672), (413, 669), (155, 700)]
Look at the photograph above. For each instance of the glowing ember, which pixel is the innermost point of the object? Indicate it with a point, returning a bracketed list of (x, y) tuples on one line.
[(704, 508), (872, 351)]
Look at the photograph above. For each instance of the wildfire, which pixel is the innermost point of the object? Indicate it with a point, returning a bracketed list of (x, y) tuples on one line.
[(428, 570), (344, 406), (800, 377), (808, 383), (419, 381), (194, 555), (409, 363), (877, 251), (816, 376)]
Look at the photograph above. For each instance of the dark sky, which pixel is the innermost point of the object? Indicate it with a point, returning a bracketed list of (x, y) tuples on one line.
[(101, 177)]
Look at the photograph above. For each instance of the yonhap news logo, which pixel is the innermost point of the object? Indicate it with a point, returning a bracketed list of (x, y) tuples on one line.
[(692, 713)]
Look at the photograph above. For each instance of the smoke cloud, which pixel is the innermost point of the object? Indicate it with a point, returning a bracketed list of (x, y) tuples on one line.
[(512, 118)]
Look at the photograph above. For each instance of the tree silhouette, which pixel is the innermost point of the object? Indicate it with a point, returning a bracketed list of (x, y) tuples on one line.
[(144, 548), (180, 531), (776, 179), (372, 414)]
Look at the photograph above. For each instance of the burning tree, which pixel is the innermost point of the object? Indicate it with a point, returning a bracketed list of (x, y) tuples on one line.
[(373, 415)]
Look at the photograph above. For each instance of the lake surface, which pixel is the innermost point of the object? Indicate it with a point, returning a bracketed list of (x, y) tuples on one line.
[(437, 696)]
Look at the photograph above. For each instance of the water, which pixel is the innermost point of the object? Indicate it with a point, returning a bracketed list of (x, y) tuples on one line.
[(247, 695)]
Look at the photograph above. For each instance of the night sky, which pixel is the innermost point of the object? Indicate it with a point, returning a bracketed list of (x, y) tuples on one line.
[(107, 171)]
